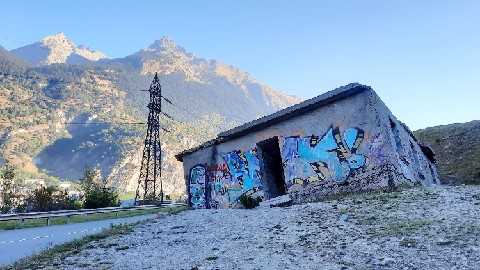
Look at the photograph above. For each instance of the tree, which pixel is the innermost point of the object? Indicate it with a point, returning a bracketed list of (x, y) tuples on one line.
[(50, 199), (10, 200), (96, 193)]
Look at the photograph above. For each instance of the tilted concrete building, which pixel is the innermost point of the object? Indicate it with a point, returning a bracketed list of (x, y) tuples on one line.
[(343, 141)]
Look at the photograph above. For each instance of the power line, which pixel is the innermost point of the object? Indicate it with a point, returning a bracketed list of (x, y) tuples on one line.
[(106, 123)]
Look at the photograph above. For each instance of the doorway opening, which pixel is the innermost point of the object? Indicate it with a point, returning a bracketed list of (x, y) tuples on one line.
[(271, 168)]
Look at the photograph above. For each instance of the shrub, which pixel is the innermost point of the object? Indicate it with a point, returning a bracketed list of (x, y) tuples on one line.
[(50, 199), (249, 202), (96, 193)]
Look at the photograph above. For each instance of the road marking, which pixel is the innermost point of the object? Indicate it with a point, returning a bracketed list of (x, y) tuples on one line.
[(25, 239), (48, 236), (94, 229)]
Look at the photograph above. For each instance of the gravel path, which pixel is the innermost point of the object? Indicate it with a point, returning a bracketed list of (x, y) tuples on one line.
[(434, 228)]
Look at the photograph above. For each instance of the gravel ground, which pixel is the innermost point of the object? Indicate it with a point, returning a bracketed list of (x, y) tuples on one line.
[(422, 228)]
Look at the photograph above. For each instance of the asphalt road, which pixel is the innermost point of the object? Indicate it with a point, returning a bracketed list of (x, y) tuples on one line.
[(17, 244)]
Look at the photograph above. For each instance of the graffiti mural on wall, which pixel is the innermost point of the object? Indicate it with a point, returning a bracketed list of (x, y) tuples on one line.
[(197, 186), (310, 159), (226, 182), (376, 153), (221, 186), (244, 168)]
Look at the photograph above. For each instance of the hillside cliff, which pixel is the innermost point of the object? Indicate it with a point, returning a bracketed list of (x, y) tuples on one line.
[(59, 117), (457, 149)]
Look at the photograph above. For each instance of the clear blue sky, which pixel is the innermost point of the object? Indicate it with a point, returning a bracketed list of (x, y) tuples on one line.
[(421, 57)]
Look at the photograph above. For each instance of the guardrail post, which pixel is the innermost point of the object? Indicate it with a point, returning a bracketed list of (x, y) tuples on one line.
[(48, 221), (22, 221), (116, 214), (68, 219), (103, 215)]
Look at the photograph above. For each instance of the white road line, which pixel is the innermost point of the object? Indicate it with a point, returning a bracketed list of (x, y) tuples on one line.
[(47, 236)]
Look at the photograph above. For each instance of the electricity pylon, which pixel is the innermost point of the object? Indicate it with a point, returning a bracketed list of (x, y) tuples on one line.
[(150, 188)]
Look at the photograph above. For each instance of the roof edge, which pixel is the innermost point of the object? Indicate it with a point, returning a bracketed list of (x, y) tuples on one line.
[(284, 114)]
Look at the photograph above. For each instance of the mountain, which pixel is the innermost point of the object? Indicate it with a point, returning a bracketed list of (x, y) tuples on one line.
[(57, 49), (166, 57), (457, 149), (10, 63), (59, 118)]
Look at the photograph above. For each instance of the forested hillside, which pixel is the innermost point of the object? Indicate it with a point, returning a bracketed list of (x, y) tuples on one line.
[(56, 119)]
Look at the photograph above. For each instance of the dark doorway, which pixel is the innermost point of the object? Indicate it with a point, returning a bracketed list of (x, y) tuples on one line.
[(271, 168)]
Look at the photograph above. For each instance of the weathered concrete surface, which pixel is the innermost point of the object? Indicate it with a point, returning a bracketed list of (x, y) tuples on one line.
[(434, 228), (349, 145)]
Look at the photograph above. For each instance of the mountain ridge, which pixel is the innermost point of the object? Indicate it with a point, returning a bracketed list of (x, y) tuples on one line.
[(207, 97), (457, 150), (57, 49)]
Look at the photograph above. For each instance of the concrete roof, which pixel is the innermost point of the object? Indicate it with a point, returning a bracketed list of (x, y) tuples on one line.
[(282, 115)]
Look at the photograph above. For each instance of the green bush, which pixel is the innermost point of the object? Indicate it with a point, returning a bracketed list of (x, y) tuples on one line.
[(249, 202), (96, 193), (50, 199)]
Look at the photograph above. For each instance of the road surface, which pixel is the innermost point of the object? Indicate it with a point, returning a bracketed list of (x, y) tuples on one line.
[(17, 244)]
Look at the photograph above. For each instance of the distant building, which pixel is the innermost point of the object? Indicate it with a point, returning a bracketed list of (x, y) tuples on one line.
[(35, 181), (343, 141), (65, 185)]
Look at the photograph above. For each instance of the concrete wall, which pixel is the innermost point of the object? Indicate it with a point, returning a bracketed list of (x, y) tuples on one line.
[(345, 146)]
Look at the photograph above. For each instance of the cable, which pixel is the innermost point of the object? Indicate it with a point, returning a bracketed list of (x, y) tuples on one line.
[(33, 44), (106, 123)]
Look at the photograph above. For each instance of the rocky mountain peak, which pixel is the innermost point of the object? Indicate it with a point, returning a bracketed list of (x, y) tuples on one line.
[(165, 43), (57, 42), (57, 49)]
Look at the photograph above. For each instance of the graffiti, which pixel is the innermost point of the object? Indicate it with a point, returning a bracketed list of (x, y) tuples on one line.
[(197, 186), (311, 159), (218, 173), (376, 155), (221, 186), (244, 168), (227, 182)]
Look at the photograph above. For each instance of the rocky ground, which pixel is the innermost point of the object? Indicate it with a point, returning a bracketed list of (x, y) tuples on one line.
[(421, 228)]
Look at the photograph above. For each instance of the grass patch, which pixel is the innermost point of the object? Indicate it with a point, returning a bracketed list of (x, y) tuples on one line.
[(127, 196), (408, 242), (30, 223), (368, 220), (401, 228)]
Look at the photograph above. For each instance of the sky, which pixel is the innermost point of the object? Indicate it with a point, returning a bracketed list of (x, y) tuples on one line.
[(421, 57)]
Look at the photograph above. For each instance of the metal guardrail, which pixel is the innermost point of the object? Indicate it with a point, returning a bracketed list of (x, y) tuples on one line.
[(69, 213)]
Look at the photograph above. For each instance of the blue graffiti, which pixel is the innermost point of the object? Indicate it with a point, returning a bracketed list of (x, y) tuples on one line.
[(350, 136), (244, 168), (197, 186), (329, 156)]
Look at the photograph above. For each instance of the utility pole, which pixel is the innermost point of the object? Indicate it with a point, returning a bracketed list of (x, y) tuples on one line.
[(151, 167)]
